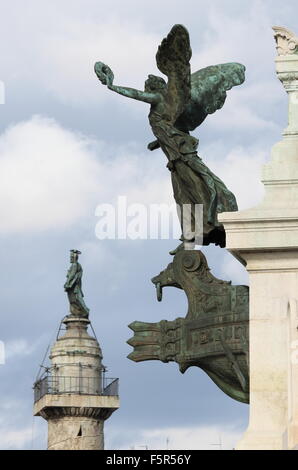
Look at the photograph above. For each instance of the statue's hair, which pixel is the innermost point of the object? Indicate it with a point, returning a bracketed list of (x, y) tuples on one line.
[(156, 82)]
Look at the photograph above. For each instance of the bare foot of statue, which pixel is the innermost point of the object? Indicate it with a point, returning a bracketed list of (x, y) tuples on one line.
[(153, 145)]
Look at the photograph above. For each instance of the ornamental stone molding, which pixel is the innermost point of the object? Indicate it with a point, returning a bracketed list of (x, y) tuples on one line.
[(83, 412), (286, 41)]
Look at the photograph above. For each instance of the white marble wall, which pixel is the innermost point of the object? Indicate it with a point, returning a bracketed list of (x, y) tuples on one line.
[(265, 238)]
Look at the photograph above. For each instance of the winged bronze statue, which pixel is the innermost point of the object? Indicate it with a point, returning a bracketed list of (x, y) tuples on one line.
[(176, 107)]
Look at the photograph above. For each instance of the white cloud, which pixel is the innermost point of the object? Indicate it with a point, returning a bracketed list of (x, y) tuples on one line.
[(248, 39), (13, 434), (59, 56), (62, 50), (15, 439), (98, 254), (240, 169), (178, 438), (67, 57), (18, 429), (20, 347), (231, 38), (240, 114), (48, 176), (52, 178)]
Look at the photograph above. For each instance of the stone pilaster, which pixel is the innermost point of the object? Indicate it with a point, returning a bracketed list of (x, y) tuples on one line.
[(265, 240)]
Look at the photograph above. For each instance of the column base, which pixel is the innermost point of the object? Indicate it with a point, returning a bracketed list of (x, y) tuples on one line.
[(254, 440)]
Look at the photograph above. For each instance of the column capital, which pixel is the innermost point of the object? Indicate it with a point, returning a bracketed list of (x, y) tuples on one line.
[(286, 41), (286, 64)]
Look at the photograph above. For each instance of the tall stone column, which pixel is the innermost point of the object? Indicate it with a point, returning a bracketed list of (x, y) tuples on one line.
[(265, 240), (73, 395)]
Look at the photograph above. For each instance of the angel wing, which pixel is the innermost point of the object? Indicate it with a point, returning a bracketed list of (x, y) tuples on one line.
[(172, 59), (208, 93)]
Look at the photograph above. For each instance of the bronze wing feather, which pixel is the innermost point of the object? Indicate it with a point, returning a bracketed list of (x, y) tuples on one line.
[(172, 59), (208, 92)]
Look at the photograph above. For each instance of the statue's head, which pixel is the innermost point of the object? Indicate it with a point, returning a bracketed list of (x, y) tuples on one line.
[(154, 83), (74, 255)]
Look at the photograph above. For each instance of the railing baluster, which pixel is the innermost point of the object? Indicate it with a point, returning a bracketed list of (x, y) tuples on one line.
[(82, 385)]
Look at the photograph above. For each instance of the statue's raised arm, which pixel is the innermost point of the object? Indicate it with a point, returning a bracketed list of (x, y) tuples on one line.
[(106, 76)]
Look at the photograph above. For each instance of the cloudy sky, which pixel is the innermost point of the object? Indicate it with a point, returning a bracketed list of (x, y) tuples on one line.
[(67, 144)]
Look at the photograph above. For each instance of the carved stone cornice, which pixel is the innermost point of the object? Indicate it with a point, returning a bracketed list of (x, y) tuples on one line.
[(58, 412), (286, 41), (289, 79)]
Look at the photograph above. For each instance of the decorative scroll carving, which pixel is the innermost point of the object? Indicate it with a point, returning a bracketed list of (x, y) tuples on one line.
[(286, 41), (212, 336)]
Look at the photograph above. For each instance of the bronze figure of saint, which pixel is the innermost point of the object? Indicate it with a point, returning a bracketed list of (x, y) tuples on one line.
[(73, 286)]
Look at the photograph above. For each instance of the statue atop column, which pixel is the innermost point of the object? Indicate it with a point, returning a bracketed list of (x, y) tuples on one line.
[(176, 107), (73, 286)]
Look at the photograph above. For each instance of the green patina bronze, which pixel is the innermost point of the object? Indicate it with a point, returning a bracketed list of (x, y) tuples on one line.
[(214, 333), (177, 106), (73, 287), (212, 336)]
